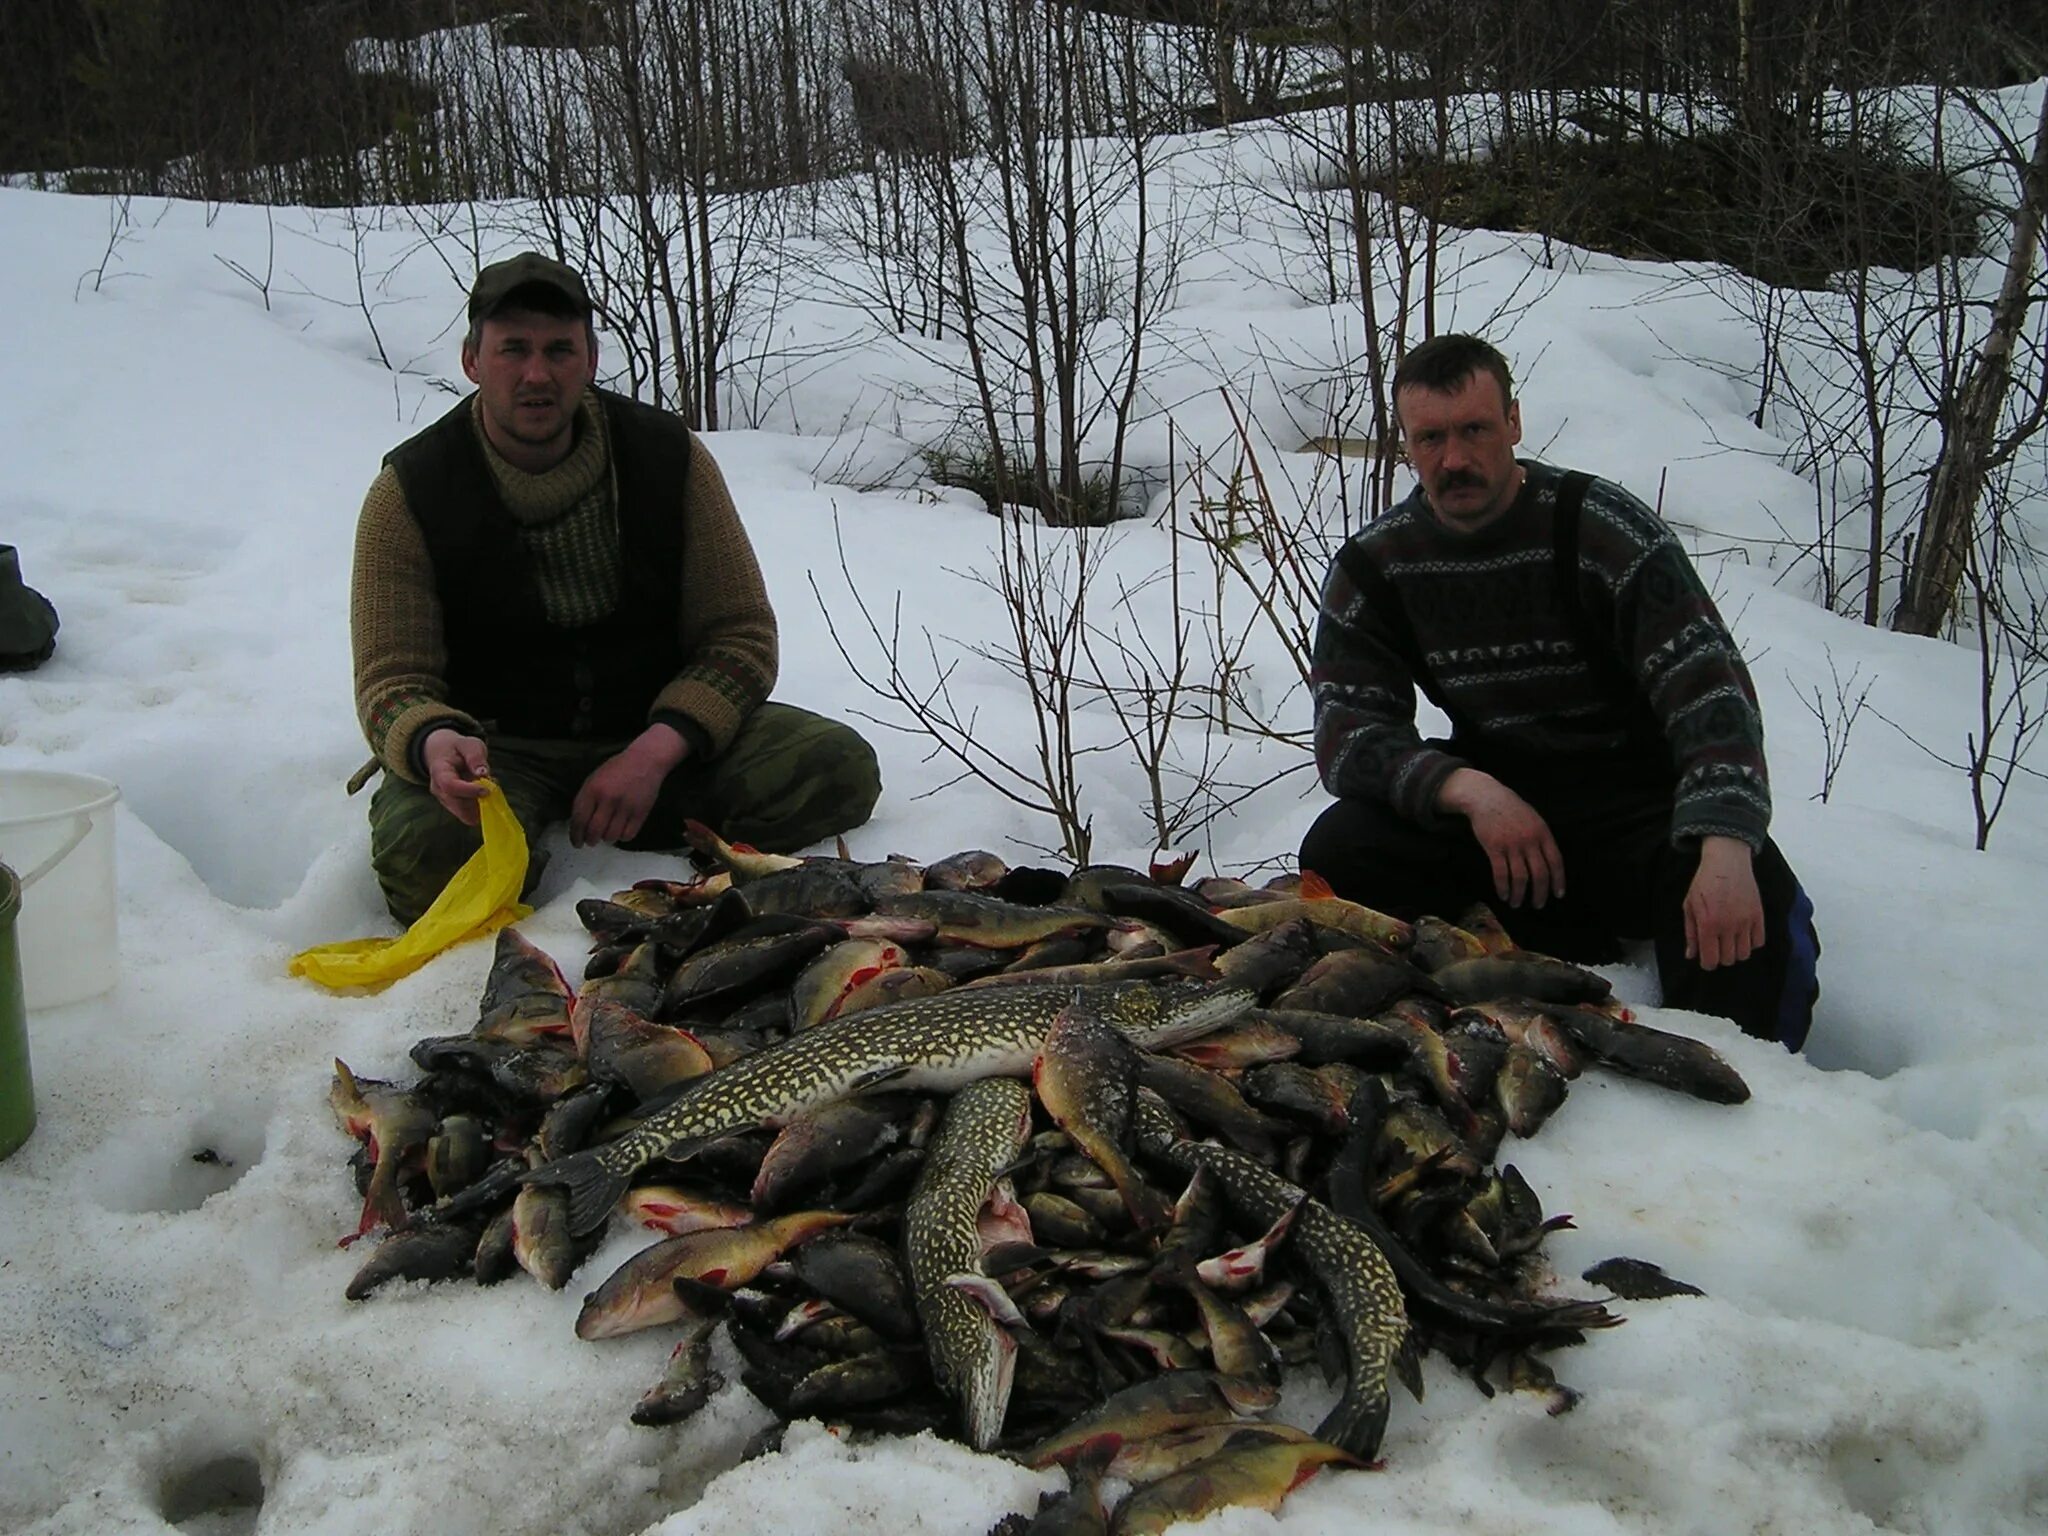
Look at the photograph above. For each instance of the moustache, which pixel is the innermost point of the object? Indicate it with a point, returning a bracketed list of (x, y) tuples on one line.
[(1460, 479)]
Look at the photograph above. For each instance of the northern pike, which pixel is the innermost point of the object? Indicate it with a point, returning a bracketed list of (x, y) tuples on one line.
[(933, 1044), (1354, 1275), (984, 1130)]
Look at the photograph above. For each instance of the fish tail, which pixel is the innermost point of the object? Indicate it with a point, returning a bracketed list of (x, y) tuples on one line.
[(383, 1205), (1358, 1422), (592, 1188)]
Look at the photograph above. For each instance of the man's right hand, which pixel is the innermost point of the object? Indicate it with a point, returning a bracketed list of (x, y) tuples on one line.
[(454, 762), (1525, 857)]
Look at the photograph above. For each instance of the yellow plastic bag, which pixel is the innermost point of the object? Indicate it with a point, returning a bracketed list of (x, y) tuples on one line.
[(482, 897)]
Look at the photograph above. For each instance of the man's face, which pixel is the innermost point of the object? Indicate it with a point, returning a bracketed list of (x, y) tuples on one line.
[(1462, 444), (531, 370)]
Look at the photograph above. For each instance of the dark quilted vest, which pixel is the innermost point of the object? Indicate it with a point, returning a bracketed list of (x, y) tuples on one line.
[(507, 665)]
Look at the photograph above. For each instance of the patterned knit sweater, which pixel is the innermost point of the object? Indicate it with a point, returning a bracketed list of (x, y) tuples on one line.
[(568, 526), (1486, 617)]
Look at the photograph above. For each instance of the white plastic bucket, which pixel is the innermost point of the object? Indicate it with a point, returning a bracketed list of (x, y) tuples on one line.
[(57, 834)]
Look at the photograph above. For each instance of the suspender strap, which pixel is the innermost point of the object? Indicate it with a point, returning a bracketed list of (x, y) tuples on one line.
[(1610, 671)]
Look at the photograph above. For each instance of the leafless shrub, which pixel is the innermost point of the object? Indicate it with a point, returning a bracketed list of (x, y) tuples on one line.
[(1836, 714)]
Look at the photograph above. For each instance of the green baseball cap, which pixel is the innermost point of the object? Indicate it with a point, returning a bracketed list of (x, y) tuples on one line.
[(529, 269)]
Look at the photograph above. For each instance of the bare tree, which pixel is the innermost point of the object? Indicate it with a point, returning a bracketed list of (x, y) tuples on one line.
[(1978, 434)]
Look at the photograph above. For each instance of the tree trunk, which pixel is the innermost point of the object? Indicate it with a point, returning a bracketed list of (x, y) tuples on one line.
[(1957, 484)]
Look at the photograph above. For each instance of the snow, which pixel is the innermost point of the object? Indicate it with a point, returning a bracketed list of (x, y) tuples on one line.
[(1871, 1229)]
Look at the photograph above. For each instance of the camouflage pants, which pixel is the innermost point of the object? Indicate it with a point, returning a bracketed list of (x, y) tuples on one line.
[(789, 779)]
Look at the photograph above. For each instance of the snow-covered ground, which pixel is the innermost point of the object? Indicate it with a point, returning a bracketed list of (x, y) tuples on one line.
[(1871, 1229)]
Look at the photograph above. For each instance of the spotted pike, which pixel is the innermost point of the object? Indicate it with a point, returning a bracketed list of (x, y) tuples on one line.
[(985, 1129), (932, 1044), (1357, 1280)]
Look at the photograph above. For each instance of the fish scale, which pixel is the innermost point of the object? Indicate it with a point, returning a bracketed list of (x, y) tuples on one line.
[(1354, 1274), (936, 1044), (985, 1129)]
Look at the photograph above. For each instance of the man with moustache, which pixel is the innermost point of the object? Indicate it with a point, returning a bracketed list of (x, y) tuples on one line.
[(1604, 777), (552, 588)]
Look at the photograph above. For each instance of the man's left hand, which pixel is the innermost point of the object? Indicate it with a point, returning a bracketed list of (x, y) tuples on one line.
[(613, 803), (1724, 915)]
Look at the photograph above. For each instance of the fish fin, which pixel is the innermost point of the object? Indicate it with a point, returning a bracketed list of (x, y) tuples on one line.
[(845, 852), (1408, 1364), (990, 1296), (1247, 1395), (1315, 888), (384, 1205), (709, 1300), (1358, 1422), (1169, 870), (593, 1189), (874, 1077), (1005, 1258)]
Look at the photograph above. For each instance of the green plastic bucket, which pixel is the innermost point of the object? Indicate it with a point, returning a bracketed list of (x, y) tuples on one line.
[(17, 1090)]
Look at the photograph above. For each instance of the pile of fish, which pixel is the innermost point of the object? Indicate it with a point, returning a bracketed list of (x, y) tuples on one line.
[(1069, 1165)]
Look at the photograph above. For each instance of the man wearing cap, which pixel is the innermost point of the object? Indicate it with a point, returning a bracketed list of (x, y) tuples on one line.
[(553, 588)]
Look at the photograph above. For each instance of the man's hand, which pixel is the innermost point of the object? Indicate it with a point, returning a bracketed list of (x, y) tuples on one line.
[(454, 762), (1525, 857), (613, 803), (1724, 915)]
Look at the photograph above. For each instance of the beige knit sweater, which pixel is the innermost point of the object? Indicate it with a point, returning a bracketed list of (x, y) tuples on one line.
[(568, 524)]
